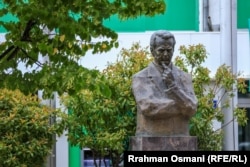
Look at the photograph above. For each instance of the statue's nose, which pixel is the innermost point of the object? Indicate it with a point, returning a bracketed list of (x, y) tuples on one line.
[(164, 52)]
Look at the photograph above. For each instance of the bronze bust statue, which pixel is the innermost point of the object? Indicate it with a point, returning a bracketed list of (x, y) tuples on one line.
[(164, 94)]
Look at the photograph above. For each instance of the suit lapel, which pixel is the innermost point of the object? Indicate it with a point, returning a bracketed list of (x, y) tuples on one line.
[(156, 77)]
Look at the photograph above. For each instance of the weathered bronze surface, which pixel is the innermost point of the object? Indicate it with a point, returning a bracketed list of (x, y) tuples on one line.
[(164, 94)]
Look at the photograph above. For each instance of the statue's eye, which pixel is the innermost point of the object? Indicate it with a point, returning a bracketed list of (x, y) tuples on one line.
[(161, 50)]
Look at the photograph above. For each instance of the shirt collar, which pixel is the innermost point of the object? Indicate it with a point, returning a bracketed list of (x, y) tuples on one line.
[(160, 68)]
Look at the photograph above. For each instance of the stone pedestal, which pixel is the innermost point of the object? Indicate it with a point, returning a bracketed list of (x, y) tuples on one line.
[(163, 143)]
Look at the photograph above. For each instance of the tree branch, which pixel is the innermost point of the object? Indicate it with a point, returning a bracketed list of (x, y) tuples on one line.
[(36, 62)]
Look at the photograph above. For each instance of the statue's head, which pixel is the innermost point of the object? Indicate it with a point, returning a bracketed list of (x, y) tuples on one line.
[(162, 45)]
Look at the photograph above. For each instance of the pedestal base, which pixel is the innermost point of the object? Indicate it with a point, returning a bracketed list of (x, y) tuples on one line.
[(163, 143)]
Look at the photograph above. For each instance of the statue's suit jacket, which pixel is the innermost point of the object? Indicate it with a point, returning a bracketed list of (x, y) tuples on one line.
[(163, 110)]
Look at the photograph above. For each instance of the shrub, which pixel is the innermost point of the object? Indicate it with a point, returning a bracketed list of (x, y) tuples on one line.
[(104, 123), (25, 131), (213, 93)]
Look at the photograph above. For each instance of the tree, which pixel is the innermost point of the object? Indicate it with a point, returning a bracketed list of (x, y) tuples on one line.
[(25, 130), (64, 31), (210, 92), (105, 123)]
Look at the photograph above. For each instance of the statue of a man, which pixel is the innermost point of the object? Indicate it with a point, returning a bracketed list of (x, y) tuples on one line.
[(164, 94)]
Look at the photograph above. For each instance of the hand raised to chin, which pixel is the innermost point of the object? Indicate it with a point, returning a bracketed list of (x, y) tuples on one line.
[(167, 75)]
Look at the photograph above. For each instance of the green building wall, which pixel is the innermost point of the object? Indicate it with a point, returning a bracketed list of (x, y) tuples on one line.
[(243, 13), (180, 15), (75, 158)]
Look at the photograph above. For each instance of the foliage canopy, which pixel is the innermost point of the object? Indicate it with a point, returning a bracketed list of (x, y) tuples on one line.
[(63, 32), (214, 94)]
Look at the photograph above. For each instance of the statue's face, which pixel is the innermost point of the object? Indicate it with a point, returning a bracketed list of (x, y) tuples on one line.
[(163, 51)]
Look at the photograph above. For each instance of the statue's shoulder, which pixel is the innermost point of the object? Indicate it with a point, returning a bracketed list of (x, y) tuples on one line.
[(142, 73)]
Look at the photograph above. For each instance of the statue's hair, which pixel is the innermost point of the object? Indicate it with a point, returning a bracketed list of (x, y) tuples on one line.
[(161, 34)]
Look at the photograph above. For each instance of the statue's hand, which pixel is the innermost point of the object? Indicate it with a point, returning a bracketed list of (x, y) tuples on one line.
[(167, 76)]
